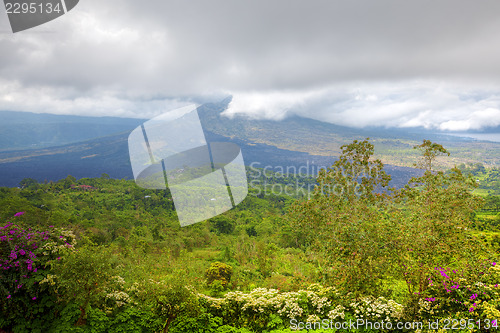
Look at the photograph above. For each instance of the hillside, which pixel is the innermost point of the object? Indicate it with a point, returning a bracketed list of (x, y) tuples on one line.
[(110, 155), (392, 146), (251, 269)]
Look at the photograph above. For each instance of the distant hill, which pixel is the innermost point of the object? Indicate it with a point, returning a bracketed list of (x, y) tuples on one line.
[(26, 130)]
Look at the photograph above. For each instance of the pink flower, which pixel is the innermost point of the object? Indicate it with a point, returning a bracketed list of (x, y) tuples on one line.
[(19, 214)]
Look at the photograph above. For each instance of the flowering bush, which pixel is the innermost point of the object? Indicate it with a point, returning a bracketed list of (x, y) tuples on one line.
[(259, 308), (118, 295), (377, 309), (24, 255), (470, 294)]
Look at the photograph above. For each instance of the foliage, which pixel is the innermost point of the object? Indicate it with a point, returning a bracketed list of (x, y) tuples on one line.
[(344, 220), (221, 225), (430, 151), (434, 212), (423, 252), (472, 293), (219, 272), (169, 300), (368, 237), (83, 276)]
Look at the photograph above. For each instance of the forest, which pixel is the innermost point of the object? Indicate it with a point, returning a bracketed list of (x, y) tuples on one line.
[(104, 255)]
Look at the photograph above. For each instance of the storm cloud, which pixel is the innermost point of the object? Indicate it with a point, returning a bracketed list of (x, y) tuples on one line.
[(354, 63)]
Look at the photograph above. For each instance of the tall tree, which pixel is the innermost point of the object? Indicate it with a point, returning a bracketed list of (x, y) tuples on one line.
[(435, 212), (344, 219)]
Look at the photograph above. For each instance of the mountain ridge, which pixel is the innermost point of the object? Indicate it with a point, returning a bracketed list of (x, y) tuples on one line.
[(42, 130)]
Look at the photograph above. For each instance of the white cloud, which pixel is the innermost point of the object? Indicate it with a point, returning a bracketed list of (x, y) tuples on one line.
[(268, 105), (63, 101), (428, 104), (476, 120)]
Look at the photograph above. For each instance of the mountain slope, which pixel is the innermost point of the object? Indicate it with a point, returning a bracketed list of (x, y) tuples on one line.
[(294, 141), (392, 146), (110, 155)]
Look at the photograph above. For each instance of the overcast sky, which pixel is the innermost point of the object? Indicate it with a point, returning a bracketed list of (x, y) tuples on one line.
[(356, 63)]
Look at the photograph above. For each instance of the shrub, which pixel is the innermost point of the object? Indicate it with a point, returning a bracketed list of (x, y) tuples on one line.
[(219, 272)]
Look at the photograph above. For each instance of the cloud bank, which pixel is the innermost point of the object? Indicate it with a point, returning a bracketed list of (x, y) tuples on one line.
[(431, 105), (354, 63)]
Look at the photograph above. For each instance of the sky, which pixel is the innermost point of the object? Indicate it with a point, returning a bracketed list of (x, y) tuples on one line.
[(355, 63)]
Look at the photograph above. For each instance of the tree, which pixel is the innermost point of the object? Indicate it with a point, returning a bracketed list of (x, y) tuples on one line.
[(219, 271), (435, 212), (430, 151), (29, 183), (70, 180), (365, 235), (221, 225), (493, 203), (169, 300), (344, 219), (83, 276)]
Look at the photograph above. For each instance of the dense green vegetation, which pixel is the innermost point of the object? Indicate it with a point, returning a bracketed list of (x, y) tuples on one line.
[(104, 255)]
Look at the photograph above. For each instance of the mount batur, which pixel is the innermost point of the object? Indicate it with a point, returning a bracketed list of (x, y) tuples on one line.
[(49, 147)]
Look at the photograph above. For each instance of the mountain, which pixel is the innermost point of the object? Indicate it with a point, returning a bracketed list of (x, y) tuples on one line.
[(110, 155), (392, 146), (294, 142)]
